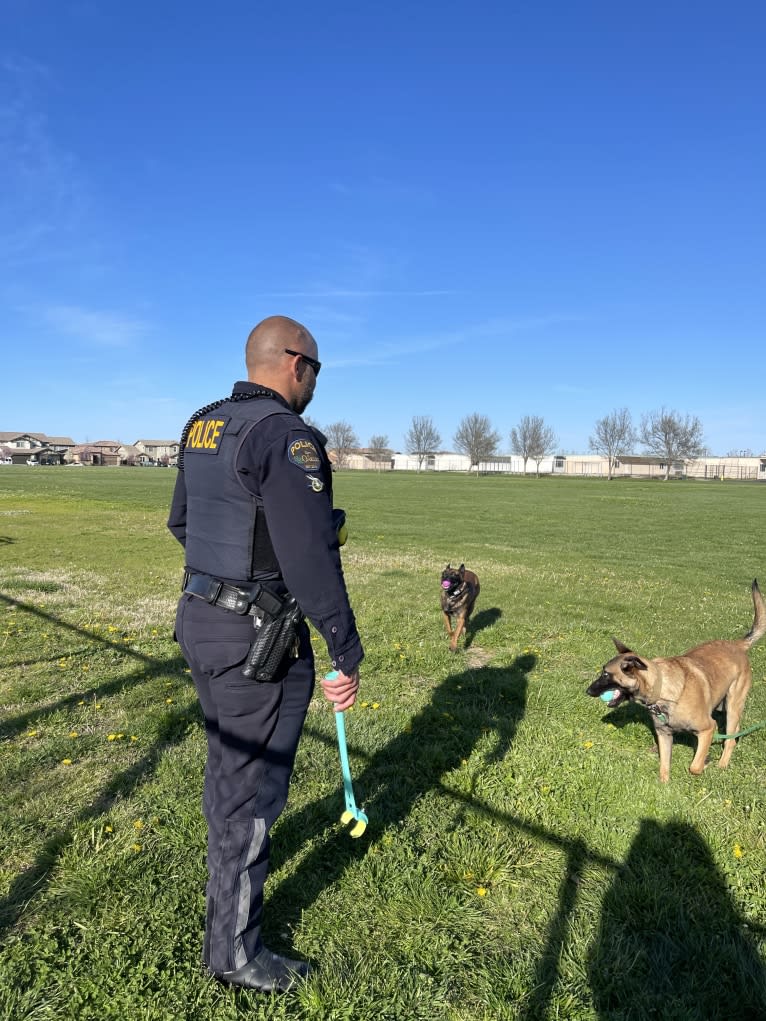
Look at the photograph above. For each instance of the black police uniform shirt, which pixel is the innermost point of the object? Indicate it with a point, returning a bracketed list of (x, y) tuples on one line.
[(283, 468)]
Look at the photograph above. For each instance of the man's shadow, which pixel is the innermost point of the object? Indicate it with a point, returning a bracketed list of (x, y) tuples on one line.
[(437, 740), (671, 943)]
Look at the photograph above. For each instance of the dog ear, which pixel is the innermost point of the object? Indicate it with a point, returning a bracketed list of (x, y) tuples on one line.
[(620, 647), (462, 570), (632, 663)]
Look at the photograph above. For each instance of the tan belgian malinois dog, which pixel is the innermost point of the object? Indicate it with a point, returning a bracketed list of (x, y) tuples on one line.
[(681, 692)]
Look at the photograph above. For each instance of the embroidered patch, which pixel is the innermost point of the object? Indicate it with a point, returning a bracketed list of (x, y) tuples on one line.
[(305, 455), (205, 434), (316, 484)]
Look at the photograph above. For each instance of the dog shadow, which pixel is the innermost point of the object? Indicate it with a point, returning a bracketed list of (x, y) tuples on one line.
[(629, 713), (671, 938), (483, 619)]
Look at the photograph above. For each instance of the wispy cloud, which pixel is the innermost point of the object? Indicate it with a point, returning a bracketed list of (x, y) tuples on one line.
[(350, 293), (386, 352), (102, 329), (43, 196)]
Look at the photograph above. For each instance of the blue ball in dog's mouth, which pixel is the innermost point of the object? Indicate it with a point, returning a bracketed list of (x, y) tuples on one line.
[(607, 696)]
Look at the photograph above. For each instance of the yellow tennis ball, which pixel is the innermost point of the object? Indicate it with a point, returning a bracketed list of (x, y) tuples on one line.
[(342, 535)]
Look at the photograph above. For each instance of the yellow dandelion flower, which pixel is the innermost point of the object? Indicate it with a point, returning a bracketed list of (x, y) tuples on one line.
[(111, 629), (154, 631), (108, 829), (364, 705), (587, 744), (133, 737), (31, 733), (73, 733), (402, 656), (376, 705), (138, 824), (738, 852), (111, 737), (66, 762), (481, 891), (168, 701), (138, 847), (97, 705), (81, 702)]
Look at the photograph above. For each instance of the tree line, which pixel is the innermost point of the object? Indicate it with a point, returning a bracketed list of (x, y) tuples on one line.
[(665, 434)]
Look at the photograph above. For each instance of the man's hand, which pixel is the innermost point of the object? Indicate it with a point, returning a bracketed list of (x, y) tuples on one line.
[(342, 690)]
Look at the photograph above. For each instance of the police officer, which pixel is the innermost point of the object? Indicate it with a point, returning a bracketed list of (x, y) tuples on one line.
[(252, 507)]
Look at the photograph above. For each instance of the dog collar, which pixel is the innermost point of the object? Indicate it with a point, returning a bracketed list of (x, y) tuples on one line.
[(659, 711)]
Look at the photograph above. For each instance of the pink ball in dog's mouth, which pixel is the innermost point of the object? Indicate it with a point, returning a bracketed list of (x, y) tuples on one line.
[(445, 584)]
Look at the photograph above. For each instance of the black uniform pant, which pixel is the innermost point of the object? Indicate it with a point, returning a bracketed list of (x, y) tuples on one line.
[(253, 729)]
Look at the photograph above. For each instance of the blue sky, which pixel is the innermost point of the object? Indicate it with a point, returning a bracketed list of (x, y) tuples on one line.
[(553, 209)]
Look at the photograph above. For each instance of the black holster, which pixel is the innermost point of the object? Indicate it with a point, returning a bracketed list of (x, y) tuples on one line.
[(275, 635)]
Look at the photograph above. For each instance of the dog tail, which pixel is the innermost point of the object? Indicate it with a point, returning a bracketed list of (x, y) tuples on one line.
[(758, 630)]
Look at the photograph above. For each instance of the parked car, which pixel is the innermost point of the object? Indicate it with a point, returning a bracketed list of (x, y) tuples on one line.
[(32, 462)]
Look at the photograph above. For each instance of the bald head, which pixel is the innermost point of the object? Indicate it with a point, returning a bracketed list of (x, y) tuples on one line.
[(269, 365)]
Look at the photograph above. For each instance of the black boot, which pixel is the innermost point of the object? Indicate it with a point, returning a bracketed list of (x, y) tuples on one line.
[(266, 972)]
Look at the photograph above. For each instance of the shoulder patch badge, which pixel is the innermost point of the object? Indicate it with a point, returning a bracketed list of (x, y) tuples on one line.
[(316, 484), (305, 455)]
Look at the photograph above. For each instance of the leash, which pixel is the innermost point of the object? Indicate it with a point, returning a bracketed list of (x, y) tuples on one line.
[(741, 733), (657, 710)]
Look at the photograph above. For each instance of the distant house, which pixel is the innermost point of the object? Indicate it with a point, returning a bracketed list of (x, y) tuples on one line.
[(36, 446), (363, 459), (102, 452), (158, 451)]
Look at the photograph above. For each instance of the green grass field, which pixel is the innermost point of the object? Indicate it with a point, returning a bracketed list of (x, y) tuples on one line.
[(522, 859)]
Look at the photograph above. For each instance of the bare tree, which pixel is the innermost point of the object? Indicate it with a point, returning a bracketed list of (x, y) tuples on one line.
[(312, 423), (545, 443), (379, 449), (614, 435), (476, 438), (532, 438), (422, 438), (673, 438), (341, 439)]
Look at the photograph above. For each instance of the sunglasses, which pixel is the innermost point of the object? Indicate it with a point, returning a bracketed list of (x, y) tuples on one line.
[(315, 365)]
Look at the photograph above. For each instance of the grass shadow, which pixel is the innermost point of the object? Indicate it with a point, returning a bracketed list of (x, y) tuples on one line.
[(11, 726), (671, 942), (34, 878)]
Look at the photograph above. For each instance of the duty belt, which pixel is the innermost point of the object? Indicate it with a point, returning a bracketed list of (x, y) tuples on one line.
[(248, 597)]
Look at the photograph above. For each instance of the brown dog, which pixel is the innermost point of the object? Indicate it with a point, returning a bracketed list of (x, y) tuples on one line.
[(459, 591), (681, 692)]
